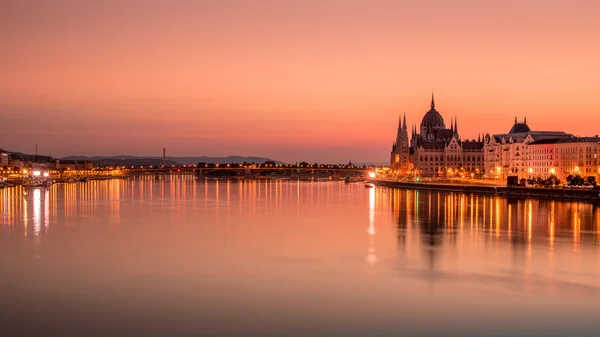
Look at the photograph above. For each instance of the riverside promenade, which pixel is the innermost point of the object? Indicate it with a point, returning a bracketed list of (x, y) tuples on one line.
[(489, 189)]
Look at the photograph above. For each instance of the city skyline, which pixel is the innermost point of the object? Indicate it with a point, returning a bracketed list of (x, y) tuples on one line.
[(314, 81)]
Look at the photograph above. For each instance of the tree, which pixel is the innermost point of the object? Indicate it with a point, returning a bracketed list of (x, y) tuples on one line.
[(552, 181), (577, 181), (523, 182), (591, 180)]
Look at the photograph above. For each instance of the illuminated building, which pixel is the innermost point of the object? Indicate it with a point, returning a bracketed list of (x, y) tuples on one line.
[(3, 158), (435, 151), (521, 152)]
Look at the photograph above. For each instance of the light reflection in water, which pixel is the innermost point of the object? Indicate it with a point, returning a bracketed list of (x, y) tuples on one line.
[(37, 205), (371, 257), (528, 224), (307, 246)]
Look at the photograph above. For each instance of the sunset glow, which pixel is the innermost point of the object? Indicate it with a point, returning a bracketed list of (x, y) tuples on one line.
[(289, 80)]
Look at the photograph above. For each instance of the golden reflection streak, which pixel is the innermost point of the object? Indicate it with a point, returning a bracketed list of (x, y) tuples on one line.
[(25, 215), (497, 217), (491, 215), (483, 211), (472, 212), (529, 224), (410, 208), (477, 216), (438, 207), (509, 220), (551, 225), (597, 224), (46, 211), (37, 216), (416, 203), (371, 257), (551, 231), (463, 210), (576, 225)]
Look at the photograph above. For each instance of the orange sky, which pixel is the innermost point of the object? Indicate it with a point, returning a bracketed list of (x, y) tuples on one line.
[(291, 80)]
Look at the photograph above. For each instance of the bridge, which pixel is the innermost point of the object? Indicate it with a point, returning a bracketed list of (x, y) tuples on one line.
[(281, 172), (258, 172)]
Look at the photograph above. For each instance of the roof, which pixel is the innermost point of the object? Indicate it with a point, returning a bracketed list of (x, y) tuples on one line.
[(440, 145), (433, 119), (567, 140), (472, 145), (519, 127), (536, 135)]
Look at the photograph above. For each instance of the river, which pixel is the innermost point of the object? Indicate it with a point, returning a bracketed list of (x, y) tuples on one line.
[(176, 256)]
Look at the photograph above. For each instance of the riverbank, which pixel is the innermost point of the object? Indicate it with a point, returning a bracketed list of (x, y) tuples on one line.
[(59, 180), (514, 192)]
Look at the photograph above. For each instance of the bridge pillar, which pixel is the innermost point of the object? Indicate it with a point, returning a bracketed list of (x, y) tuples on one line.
[(199, 174), (247, 172)]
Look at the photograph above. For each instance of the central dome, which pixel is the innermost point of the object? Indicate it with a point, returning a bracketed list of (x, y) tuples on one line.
[(432, 118)]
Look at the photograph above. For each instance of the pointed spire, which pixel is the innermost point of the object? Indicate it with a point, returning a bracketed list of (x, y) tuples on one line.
[(478, 137), (525, 120), (404, 126), (432, 101), (515, 119), (456, 124), (451, 124)]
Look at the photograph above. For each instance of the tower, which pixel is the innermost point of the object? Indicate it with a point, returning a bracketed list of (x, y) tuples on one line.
[(401, 148)]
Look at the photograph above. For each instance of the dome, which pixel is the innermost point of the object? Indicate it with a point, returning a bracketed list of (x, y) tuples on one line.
[(432, 118)]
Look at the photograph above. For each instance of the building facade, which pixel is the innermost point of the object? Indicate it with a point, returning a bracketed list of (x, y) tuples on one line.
[(434, 150), (3, 158), (514, 153), (528, 154)]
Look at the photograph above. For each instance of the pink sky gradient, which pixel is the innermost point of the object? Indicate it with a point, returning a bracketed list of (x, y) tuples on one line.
[(291, 80)]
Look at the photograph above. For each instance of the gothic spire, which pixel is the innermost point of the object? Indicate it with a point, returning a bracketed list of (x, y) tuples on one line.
[(404, 126), (456, 124), (432, 101), (451, 124)]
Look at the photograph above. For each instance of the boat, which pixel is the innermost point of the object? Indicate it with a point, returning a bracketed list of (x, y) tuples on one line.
[(368, 185)]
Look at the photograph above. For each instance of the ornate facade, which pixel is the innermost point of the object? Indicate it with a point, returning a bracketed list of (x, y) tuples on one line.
[(434, 150), (531, 154)]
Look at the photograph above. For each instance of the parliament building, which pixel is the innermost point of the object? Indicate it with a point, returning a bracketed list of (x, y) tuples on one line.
[(432, 150)]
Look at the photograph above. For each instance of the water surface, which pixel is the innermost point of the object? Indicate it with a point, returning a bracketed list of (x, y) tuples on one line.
[(175, 256)]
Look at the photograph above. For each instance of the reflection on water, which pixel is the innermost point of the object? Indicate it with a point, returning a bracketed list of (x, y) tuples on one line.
[(172, 255)]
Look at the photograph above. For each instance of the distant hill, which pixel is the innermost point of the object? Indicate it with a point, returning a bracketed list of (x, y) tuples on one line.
[(384, 163), (156, 161)]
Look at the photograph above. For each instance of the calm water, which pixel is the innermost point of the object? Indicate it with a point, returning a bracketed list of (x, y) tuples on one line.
[(174, 256)]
